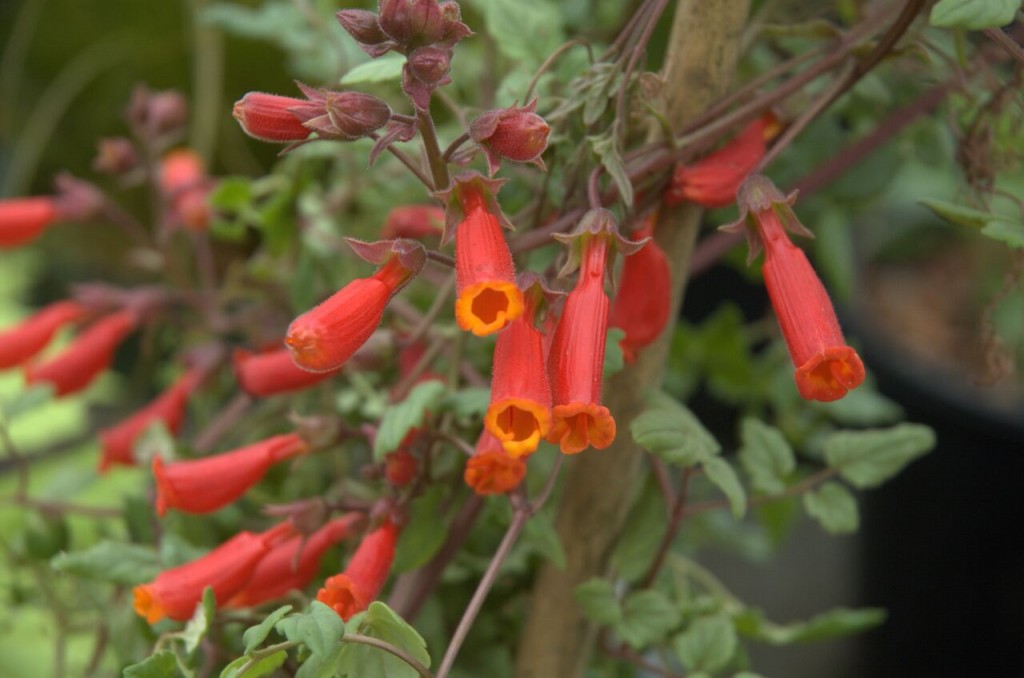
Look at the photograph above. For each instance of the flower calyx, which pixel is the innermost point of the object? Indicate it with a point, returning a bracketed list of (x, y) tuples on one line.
[(516, 133)]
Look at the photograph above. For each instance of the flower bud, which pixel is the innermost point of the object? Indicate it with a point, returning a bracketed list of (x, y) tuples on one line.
[(355, 115), (115, 155), (412, 23), (270, 117), (76, 199), (516, 134), (431, 65), (365, 29), (157, 114)]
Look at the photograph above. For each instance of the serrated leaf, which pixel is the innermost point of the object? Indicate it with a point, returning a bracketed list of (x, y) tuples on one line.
[(707, 644), (379, 621), (384, 69), (597, 599), (425, 532), (669, 430), (869, 458), (257, 669), (399, 418), (255, 635), (1008, 232), (606, 147), (721, 473), (960, 215), (834, 507), (322, 665), (160, 665), (110, 561), (647, 618), (320, 628), (973, 15), (840, 621), (766, 456), (523, 30), (199, 624)]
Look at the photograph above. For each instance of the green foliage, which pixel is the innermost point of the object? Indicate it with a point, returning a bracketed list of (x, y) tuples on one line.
[(255, 635), (523, 30), (199, 625), (832, 624), (597, 599), (320, 628), (365, 661), (249, 667), (402, 417), (766, 456), (387, 68), (647, 618), (869, 458), (160, 665), (973, 14), (109, 561), (834, 507), (425, 532), (707, 644), (672, 432)]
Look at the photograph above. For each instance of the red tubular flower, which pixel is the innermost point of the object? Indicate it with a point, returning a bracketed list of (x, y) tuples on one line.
[(713, 180), (23, 219), (117, 442), (576, 362), (185, 185), (413, 221), (826, 368), (519, 414), (492, 470), (272, 373), (176, 592), (324, 338), (30, 336), (359, 585), (487, 296), (207, 484), (293, 563), (89, 354), (269, 117), (641, 304)]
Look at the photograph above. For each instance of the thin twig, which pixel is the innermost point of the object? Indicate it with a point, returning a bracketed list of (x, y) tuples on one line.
[(1006, 42)]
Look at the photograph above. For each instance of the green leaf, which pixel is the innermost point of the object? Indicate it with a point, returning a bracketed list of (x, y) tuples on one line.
[(467, 402), (869, 458), (973, 15), (110, 561), (707, 644), (606, 147), (379, 621), (597, 598), (669, 430), (259, 668), (834, 507), (961, 215), (384, 69), (320, 629), (1009, 232), (232, 194), (838, 622), (523, 30), (863, 406), (613, 360), (766, 456), (199, 624), (425, 532), (540, 535), (26, 400), (647, 618), (398, 419), (721, 473), (160, 665), (255, 635), (642, 535)]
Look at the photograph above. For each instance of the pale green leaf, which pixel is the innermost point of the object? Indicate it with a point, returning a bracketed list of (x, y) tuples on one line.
[(160, 665), (642, 535), (834, 507), (669, 430), (707, 644), (523, 30), (384, 69), (647, 618), (197, 627), (255, 635), (961, 215), (606, 147), (832, 624), (766, 456), (613, 360), (597, 599), (721, 473), (540, 534), (425, 532), (1010, 233), (973, 15), (467, 402), (869, 458), (258, 668), (379, 621), (110, 561), (320, 628), (399, 418)]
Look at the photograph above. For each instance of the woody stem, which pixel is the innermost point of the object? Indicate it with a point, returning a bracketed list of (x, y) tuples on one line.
[(438, 166)]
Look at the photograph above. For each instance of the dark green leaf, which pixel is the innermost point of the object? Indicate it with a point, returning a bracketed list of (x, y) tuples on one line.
[(425, 532), (232, 194), (259, 668), (379, 621), (540, 534), (606, 147), (1009, 232), (398, 419), (160, 665), (388, 67), (670, 431), (597, 598), (644, 530), (869, 458), (613, 361), (721, 473), (110, 561), (523, 30), (766, 456), (973, 15), (834, 507), (255, 635), (320, 629), (832, 624), (707, 644), (647, 618), (961, 215)]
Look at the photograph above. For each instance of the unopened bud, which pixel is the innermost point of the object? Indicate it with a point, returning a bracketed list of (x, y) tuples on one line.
[(365, 29), (412, 23), (516, 134), (270, 117), (431, 65), (454, 30), (78, 200), (115, 155), (355, 115)]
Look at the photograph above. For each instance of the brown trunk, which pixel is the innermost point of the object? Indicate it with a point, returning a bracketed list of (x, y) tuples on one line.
[(556, 640)]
